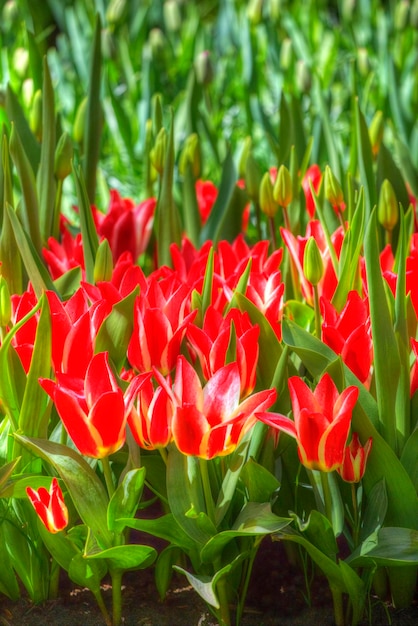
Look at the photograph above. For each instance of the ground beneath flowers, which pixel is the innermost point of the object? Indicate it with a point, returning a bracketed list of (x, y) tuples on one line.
[(278, 596)]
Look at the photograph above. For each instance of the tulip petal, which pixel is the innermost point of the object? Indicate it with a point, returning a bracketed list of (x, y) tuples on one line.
[(189, 427)]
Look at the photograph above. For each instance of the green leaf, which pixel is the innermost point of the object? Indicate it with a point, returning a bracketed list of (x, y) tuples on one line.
[(45, 179), (88, 229), (259, 482), (164, 527), (116, 330), (85, 488), (93, 127), (192, 220), (365, 161), (130, 556), (125, 500), (392, 547), (17, 117), (87, 572)]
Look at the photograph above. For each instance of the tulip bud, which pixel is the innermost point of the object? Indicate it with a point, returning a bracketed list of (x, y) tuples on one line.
[(387, 209), (376, 132), (116, 11), (35, 118), (28, 89), (363, 62), (20, 61), (401, 15), (333, 191), (286, 53), (103, 264), (158, 44), (303, 77), (5, 303), (63, 157), (255, 12), (283, 190), (313, 266), (413, 15), (204, 68), (80, 122), (355, 459), (172, 15), (252, 177), (267, 202), (274, 8), (10, 14), (246, 148), (191, 154), (157, 154)]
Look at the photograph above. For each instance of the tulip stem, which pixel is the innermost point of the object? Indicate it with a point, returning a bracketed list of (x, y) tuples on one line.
[(207, 491), (272, 228), (317, 310), (108, 476), (116, 576)]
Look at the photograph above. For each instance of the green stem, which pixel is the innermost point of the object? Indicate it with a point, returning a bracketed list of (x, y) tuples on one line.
[(247, 577), (337, 600), (116, 576), (108, 476), (272, 228), (317, 310), (54, 580), (207, 491), (356, 520), (100, 603)]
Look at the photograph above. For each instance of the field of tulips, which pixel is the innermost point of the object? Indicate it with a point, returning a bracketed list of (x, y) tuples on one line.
[(209, 299)]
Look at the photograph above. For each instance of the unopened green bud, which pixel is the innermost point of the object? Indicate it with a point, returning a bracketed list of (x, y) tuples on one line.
[(28, 89), (158, 43), (348, 7), (246, 148), (5, 303), (191, 154), (116, 11), (80, 122), (21, 61), (286, 53), (363, 62), (157, 154), (157, 113), (204, 68), (413, 14), (267, 202), (252, 177), (255, 12), (401, 15), (172, 15), (103, 264), (10, 14), (303, 76), (63, 157), (274, 9), (333, 191), (388, 208), (313, 266), (376, 132), (283, 189), (35, 117)]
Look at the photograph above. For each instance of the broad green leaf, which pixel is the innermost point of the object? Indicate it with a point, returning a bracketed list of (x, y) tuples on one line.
[(85, 488), (30, 214), (5, 473), (260, 484), (365, 161), (185, 496), (164, 569), (391, 547), (87, 572), (130, 556), (409, 458), (164, 527), (45, 179), (125, 500), (93, 127), (387, 365), (16, 115), (375, 511), (11, 266), (88, 228), (228, 488), (191, 215), (116, 330)]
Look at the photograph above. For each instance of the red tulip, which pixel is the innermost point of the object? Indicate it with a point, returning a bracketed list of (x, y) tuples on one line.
[(348, 333), (211, 343), (50, 506), (210, 421), (355, 459), (160, 323), (206, 193), (321, 423), (92, 410), (151, 414), (313, 175), (63, 255), (126, 226), (414, 371)]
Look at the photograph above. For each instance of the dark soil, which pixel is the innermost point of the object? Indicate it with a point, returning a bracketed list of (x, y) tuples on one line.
[(278, 596)]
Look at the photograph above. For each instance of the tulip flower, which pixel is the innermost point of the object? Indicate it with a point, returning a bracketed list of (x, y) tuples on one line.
[(312, 176), (210, 421), (151, 414), (50, 506), (321, 423), (93, 409), (211, 343), (206, 194), (61, 256), (160, 323), (355, 459), (414, 371), (348, 333), (126, 226)]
